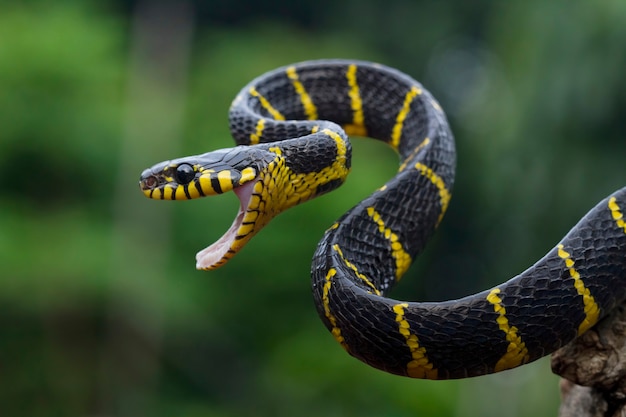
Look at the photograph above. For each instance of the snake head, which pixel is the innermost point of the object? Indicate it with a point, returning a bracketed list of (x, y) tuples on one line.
[(197, 176), (266, 178), (236, 169)]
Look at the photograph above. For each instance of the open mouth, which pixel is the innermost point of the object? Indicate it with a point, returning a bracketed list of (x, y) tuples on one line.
[(227, 246)]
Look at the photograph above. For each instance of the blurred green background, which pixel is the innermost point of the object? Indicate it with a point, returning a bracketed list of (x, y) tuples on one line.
[(102, 312)]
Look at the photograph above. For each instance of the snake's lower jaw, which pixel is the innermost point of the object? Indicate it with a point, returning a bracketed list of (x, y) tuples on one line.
[(240, 232)]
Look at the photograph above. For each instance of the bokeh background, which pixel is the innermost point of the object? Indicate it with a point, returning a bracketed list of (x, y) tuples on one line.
[(101, 310)]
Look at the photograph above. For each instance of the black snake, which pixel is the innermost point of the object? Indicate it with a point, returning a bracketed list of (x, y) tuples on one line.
[(295, 123)]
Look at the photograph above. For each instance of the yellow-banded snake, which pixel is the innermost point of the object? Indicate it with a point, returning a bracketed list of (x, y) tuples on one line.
[(294, 123)]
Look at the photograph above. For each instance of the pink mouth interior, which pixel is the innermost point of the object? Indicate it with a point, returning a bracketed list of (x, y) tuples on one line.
[(210, 256)]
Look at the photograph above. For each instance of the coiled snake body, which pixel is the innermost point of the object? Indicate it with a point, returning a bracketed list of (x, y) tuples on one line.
[(294, 122)]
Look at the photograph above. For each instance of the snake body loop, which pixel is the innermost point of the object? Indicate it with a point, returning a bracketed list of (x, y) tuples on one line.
[(295, 122)]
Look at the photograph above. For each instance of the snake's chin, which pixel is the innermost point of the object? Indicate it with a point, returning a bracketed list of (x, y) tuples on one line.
[(224, 248)]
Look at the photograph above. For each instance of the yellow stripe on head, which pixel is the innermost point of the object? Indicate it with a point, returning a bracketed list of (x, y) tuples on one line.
[(192, 189), (206, 185), (247, 174), (154, 193), (212, 183), (225, 180), (180, 193)]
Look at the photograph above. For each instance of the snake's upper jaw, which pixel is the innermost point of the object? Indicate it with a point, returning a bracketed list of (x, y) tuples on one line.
[(240, 232)]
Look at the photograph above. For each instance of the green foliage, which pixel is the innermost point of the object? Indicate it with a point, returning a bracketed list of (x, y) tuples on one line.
[(102, 311)]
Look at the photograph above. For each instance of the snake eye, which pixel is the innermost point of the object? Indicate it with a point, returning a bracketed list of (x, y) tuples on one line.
[(185, 174)]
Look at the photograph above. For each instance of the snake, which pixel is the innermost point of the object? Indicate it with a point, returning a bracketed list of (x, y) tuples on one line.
[(292, 126)]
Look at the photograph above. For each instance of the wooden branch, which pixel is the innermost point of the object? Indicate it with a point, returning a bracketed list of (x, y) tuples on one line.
[(593, 370)]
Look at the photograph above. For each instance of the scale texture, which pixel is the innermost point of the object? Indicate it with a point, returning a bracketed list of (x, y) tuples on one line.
[(295, 122)]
